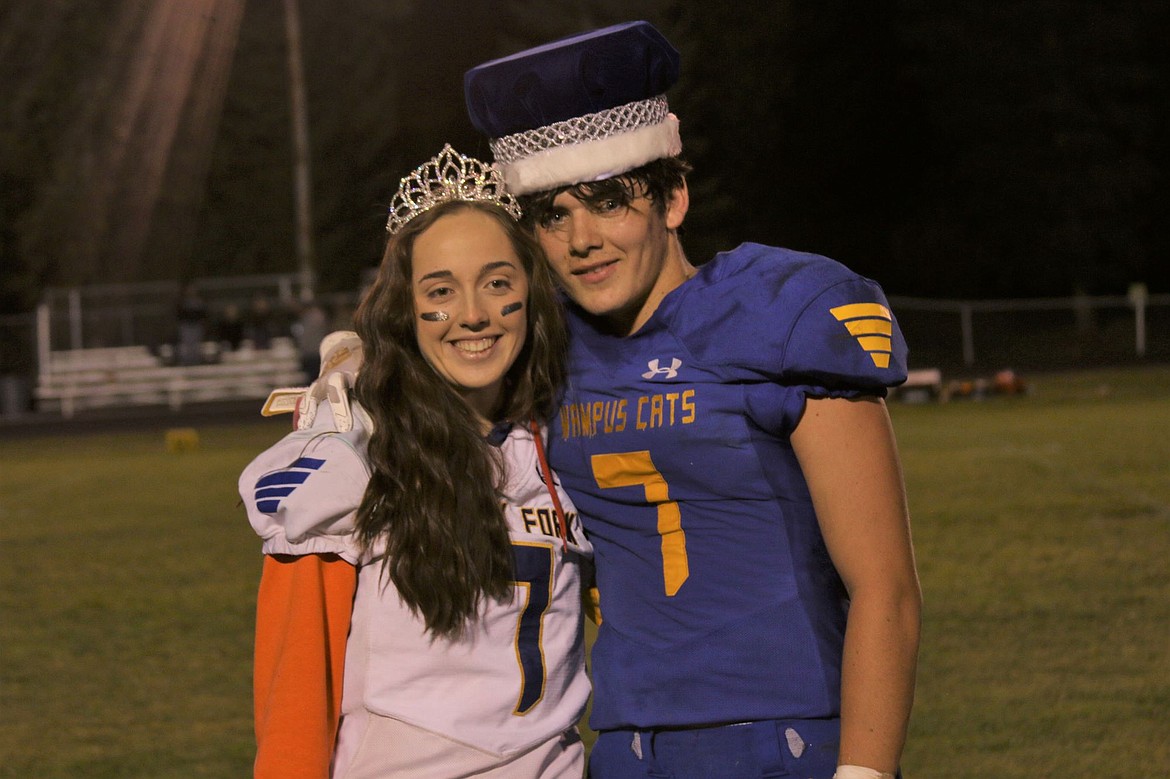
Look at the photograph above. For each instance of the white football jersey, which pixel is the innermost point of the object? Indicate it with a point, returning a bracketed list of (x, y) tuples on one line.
[(517, 677)]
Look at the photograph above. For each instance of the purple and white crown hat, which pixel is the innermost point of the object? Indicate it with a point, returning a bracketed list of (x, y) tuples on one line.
[(580, 109)]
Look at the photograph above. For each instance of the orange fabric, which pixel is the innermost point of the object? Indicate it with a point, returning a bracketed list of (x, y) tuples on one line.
[(302, 622)]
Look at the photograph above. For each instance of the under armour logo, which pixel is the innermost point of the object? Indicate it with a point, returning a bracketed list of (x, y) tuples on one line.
[(670, 373)]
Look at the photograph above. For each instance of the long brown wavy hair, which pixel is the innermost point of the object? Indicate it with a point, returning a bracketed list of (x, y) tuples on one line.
[(434, 493)]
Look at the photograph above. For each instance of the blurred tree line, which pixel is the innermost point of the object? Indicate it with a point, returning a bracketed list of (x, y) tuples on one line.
[(945, 148)]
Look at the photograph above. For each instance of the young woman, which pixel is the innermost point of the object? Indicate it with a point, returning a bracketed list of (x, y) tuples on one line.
[(429, 544)]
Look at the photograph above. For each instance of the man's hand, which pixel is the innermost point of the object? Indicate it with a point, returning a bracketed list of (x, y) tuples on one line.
[(341, 359)]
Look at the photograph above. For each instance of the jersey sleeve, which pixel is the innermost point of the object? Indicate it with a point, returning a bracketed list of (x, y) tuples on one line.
[(303, 493), (772, 314), (846, 338), (303, 611), (790, 325)]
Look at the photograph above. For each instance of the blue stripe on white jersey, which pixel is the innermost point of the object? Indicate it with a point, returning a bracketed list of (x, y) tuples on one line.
[(271, 488)]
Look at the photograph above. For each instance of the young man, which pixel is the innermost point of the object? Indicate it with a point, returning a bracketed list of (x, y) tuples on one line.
[(724, 437)]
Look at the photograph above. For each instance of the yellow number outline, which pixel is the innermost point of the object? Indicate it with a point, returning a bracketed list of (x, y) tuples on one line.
[(534, 575), (629, 469)]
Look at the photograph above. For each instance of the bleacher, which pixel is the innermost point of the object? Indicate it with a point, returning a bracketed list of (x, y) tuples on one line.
[(77, 379)]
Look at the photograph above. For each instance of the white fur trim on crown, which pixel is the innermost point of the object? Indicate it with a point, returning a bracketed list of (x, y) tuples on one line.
[(592, 160)]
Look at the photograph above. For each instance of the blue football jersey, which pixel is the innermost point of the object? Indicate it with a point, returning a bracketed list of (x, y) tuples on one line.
[(719, 601)]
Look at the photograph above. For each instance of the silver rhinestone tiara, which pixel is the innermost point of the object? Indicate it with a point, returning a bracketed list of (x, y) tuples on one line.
[(448, 176)]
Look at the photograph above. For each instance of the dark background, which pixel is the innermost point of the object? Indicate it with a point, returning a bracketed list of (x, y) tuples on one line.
[(974, 149)]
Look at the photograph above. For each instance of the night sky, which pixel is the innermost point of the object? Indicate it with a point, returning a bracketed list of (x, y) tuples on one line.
[(946, 149)]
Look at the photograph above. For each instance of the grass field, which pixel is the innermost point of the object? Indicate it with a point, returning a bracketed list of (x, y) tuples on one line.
[(1042, 527)]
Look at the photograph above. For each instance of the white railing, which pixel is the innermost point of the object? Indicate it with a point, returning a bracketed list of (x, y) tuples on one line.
[(77, 379)]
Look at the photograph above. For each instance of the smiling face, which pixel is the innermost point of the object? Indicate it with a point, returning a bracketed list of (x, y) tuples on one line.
[(470, 297), (617, 258)]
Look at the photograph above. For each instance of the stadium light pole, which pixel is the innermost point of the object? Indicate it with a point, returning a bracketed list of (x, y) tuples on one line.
[(300, 137)]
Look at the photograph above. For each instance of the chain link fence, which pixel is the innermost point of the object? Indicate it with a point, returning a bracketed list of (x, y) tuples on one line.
[(146, 314), (1035, 334), (961, 338), (17, 362)]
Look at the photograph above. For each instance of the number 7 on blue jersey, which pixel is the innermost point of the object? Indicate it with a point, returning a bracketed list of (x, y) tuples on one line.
[(628, 469)]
